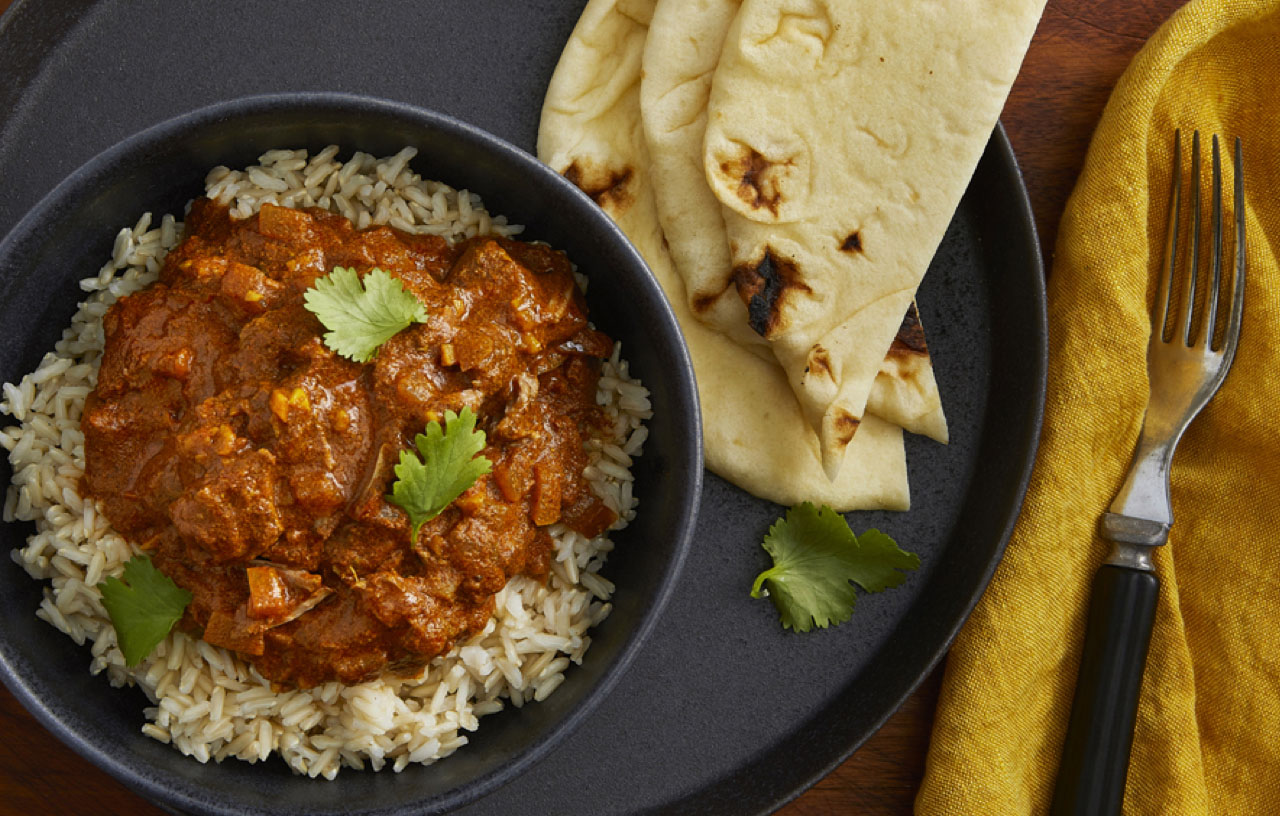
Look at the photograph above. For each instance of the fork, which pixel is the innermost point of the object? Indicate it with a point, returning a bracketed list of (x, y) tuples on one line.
[(1185, 367)]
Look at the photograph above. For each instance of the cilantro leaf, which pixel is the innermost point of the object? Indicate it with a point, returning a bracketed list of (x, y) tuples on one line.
[(449, 465), (362, 314), (815, 556), (879, 559), (143, 607)]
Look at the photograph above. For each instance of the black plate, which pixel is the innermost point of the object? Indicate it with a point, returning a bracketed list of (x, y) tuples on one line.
[(723, 711)]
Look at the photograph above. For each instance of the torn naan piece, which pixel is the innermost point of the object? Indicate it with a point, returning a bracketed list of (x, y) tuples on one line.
[(754, 432), (681, 52), (840, 138)]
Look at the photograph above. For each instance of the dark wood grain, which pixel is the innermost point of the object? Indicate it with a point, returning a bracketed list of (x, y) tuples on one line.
[(1079, 51)]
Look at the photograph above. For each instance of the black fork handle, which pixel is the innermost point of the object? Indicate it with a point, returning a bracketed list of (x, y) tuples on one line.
[(1095, 756)]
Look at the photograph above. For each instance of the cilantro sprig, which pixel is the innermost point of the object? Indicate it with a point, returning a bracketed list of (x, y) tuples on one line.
[(815, 557), (449, 465), (143, 607), (362, 314)]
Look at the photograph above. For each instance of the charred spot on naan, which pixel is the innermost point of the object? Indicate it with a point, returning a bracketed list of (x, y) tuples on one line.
[(910, 337), (852, 243), (759, 182), (819, 362), (764, 286), (703, 301), (608, 187), (844, 425)]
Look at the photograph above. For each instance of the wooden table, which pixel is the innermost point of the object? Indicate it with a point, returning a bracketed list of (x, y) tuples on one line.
[(1079, 51)]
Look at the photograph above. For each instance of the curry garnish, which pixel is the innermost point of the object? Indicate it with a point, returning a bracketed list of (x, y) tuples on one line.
[(815, 556), (362, 314), (143, 607), (449, 465)]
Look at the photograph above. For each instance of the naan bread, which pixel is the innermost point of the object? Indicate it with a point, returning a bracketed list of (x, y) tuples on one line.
[(905, 391), (840, 138), (680, 55), (754, 431)]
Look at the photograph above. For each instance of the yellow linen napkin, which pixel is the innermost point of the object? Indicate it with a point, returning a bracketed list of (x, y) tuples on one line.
[(1208, 733)]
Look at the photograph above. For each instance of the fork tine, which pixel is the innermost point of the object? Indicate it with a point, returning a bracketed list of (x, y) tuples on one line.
[(1232, 335), (1188, 305), (1211, 310), (1165, 296)]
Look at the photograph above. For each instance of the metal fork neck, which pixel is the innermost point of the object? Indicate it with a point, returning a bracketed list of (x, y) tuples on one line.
[(1134, 540)]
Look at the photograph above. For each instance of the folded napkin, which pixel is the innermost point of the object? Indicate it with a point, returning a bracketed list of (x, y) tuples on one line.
[(1208, 730)]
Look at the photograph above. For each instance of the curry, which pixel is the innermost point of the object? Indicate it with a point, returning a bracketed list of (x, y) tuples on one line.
[(252, 462)]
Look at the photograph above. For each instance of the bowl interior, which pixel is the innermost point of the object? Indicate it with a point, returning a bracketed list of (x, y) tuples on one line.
[(69, 235)]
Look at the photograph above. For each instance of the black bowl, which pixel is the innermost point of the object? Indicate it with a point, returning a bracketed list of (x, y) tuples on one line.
[(69, 235)]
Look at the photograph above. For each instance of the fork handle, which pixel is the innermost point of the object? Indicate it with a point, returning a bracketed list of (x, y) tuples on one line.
[(1095, 756)]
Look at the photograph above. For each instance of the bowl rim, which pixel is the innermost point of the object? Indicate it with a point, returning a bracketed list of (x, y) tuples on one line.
[(80, 182)]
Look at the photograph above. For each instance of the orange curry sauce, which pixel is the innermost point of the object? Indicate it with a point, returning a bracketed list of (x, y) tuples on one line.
[(252, 463)]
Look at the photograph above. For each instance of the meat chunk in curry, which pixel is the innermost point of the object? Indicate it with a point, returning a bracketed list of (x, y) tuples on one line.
[(253, 463)]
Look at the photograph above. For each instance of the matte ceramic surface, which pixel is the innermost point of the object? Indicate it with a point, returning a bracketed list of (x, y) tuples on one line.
[(721, 711)]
